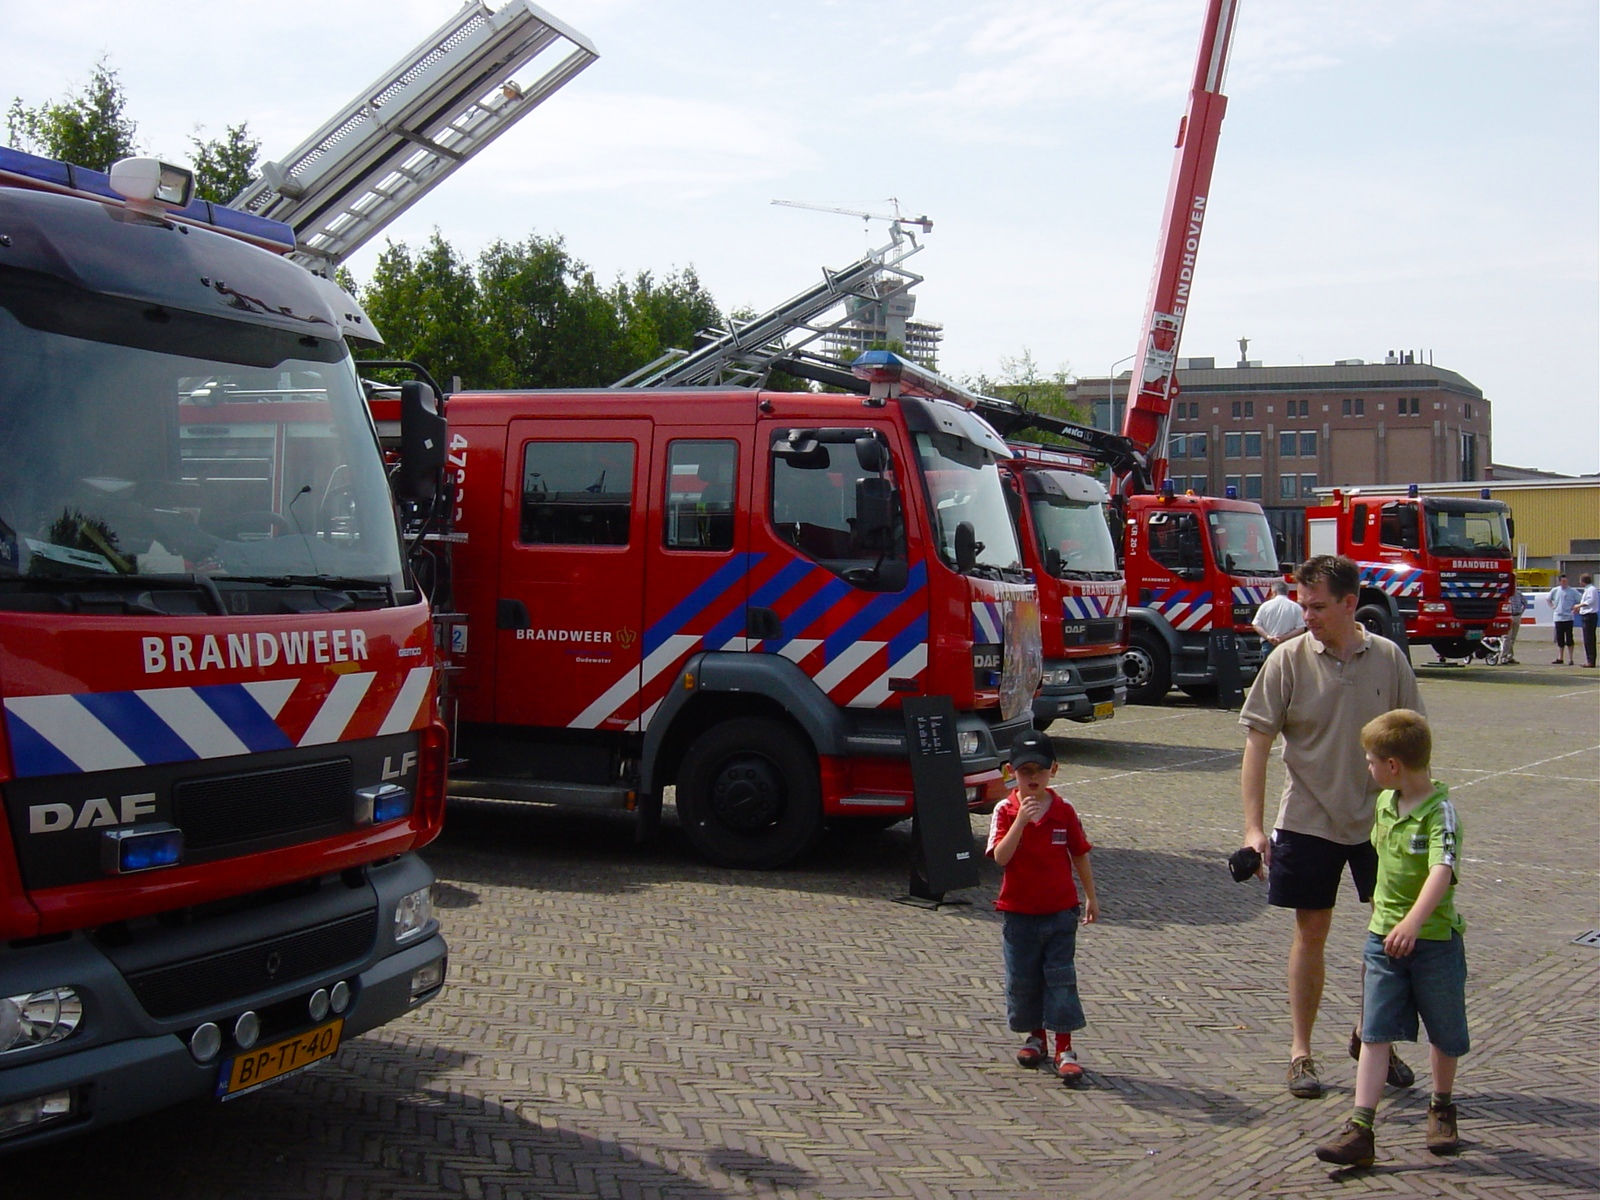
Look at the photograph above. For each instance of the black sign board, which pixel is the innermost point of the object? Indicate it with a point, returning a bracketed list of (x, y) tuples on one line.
[(1225, 658), (944, 857)]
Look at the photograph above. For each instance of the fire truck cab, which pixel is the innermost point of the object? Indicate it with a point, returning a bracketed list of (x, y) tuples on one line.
[(729, 592), (1435, 570)]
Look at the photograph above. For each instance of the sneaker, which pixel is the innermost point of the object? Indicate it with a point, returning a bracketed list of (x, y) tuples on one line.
[(1031, 1054), (1442, 1137), (1303, 1081), (1400, 1075), (1067, 1068), (1352, 1148)]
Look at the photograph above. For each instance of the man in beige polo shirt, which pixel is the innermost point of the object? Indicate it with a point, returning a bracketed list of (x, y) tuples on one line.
[(1318, 691)]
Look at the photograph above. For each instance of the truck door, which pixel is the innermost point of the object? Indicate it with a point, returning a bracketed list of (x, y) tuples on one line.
[(570, 611), (698, 566)]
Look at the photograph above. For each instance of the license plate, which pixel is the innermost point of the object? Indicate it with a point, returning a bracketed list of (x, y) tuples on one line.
[(268, 1064), (1474, 634), (1105, 710)]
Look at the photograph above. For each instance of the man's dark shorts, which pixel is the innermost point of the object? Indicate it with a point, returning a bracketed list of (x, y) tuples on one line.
[(1305, 870), (1564, 634)]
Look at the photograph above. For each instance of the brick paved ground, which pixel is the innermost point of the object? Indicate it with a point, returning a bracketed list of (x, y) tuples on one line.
[(626, 1022)]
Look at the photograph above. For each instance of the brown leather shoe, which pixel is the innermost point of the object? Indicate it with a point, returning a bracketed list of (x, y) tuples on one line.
[(1352, 1148), (1303, 1081), (1442, 1136)]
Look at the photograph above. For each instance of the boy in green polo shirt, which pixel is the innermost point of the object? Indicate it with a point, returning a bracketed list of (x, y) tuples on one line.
[(1416, 963)]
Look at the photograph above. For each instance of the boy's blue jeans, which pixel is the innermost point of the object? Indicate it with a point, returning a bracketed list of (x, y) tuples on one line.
[(1041, 974)]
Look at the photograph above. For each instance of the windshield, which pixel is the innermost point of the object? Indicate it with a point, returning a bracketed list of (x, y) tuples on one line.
[(1481, 532), (135, 456), (1074, 539), (1241, 542), (964, 488)]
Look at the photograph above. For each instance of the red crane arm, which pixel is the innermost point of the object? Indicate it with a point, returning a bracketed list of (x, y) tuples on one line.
[(1151, 390)]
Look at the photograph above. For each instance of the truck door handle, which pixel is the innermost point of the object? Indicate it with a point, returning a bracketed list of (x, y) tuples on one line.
[(762, 623), (511, 614)]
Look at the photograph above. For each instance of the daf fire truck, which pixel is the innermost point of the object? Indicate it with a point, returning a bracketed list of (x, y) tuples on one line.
[(729, 592), (218, 756), (1435, 570)]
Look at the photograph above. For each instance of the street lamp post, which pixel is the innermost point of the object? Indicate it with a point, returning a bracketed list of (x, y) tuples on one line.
[(1111, 392)]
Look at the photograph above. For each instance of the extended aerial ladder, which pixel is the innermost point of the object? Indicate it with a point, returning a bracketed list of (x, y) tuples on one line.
[(743, 354), (421, 120), (1153, 387)]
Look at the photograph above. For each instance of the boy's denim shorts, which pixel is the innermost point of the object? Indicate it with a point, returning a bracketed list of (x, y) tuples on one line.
[(1430, 982), (1042, 971)]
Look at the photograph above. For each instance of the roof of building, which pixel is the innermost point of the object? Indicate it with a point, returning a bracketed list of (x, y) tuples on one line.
[(1365, 378)]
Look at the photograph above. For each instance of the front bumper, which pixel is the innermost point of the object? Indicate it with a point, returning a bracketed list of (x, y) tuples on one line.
[(1090, 683), (123, 1063)]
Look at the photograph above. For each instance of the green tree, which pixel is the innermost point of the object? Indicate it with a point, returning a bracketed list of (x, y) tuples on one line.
[(427, 309), (87, 129), (225, 166), (657, 316), (1023, 382), (546, 320)]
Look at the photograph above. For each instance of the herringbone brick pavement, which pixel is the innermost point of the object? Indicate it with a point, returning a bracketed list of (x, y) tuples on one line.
[(624, 1022)]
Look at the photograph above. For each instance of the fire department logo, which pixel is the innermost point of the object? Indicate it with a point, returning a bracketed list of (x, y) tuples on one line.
[(626, 637)]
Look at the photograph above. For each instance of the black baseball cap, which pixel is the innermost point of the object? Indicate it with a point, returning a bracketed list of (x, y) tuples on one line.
[(1033, 747)]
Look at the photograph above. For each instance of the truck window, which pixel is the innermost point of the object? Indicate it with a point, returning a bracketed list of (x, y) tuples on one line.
[(577, 493), (1174, 540), (818, 502), (1358, 524), (699, 507), (1397, 526)]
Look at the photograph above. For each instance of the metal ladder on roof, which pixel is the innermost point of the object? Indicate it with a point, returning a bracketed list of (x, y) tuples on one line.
[(743, 354), (441, 104)]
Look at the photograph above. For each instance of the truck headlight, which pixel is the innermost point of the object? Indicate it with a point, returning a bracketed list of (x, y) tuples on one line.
[(968, 742), (38, 1018), (1434, 606), (412, 914)]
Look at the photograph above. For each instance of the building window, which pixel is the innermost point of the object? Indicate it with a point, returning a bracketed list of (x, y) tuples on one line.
[(1347, 408), (1467, 408), (1308, 485), (1361, 407), (1252, 445), (1178, 447), (1234, 482), (1286, 488), (1305, 408), (1232, 443), (1416, 406), (1249, 408), (1308, 445), (1469, 455), (1237, 408), (1197, 445), (1252, 487), (1286, 445)]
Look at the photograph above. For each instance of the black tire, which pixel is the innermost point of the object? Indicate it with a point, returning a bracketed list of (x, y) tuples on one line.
[(1203, 693), (1148, 666), (749, 795), (1376, 620)]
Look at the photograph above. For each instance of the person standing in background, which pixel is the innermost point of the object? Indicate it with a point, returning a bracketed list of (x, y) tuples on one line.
[(1280, 618), (1563, 601), (1515, 606), (1588, 612)]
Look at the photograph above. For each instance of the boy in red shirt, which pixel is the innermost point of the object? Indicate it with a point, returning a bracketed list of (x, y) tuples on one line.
[(1036, 837)]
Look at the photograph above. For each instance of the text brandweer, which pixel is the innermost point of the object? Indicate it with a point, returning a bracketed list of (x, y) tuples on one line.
[(235, 650)]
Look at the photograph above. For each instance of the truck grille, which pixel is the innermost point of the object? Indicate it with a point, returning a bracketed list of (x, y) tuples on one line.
[(1091, 633), (221, 810), (1475, 610), (174, 988), (1100, 673)]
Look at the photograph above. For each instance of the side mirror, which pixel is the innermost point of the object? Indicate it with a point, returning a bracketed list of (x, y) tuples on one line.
[(1052, 562), (966, 547), (423, 443), (872, 455)]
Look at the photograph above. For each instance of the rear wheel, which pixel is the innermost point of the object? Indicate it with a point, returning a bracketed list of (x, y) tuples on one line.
[(1148, 666), (748, 794)]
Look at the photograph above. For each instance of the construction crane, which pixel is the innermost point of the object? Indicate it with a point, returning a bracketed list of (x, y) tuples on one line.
[(406, 133), (896, 221)]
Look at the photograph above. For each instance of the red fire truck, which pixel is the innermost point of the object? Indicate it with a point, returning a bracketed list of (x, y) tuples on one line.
[(218, 755), (730, 591), (1435, 570)]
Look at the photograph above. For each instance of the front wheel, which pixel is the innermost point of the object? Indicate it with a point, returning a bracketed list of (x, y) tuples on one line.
[(749, 795), (1148, 666), (1376, 620)]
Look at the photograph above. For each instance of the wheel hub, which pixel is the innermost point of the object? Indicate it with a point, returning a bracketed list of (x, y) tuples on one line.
[(1136, 665), (747, 794)]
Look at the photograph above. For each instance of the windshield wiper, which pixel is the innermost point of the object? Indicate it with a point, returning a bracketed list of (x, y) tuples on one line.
[(350, 586), (189, 581)]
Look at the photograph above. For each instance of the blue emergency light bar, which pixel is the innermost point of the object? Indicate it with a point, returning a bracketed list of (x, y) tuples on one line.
[(142, 848), (887, 368), (67, 177)]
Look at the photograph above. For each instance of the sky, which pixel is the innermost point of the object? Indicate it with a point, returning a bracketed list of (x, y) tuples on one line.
[(1392, 174)]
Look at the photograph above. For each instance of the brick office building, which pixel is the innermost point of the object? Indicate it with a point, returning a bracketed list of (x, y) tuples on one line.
[(1276, 433)]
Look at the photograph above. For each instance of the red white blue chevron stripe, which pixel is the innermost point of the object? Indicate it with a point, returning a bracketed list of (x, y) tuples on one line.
[(1184, 608), (1089, 608), (1483, 587), (1251, 593), (1396, 581), (104, 731), (988, 622), (850, 642)]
